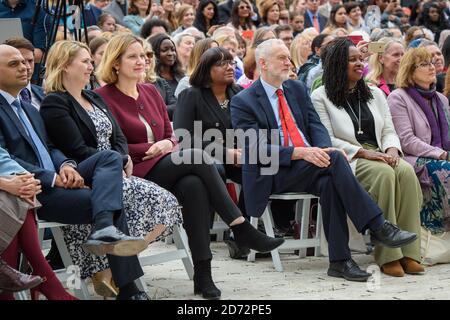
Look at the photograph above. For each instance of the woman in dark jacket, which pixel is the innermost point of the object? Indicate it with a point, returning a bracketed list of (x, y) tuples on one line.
[(207, 101), (79, 123), (161, 84)]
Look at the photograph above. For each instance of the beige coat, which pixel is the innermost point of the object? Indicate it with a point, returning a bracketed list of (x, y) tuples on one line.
[(340, 126)]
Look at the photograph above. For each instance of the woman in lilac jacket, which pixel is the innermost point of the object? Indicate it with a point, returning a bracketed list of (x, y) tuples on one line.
[(421, 119)]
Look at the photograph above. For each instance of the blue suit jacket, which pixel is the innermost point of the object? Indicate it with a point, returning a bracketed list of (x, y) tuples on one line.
[(16, 141), (251, 109), (38, 92)]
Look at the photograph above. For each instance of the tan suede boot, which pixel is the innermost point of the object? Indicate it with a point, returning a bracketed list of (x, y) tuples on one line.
[(393, 269), (411, 266)]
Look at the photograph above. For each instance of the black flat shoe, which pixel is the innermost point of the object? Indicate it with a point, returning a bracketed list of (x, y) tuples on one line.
[(348, 270), (111, 240), (391, 236)]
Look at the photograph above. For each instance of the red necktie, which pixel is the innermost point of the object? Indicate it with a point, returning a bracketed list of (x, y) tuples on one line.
[(287, 123), (316, 23)]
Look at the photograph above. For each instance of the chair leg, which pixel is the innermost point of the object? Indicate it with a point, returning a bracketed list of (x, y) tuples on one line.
[(181, 242), (142, 286), (82, 292), (304, 224), (251, 255), (319, 234), (268, 226)]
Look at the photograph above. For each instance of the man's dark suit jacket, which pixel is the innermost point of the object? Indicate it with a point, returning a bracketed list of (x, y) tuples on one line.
[(251, 109), (38, 93), (322, 21), (15, 139)]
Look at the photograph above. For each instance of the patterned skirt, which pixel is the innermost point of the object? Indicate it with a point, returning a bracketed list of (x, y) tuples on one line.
[(435, 213), (145, 204)]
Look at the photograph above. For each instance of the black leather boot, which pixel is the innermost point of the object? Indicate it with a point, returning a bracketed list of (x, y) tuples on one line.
[(203, 282), (247, 236)]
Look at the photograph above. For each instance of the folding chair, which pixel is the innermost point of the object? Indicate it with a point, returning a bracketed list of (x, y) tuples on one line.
[(302, 215)]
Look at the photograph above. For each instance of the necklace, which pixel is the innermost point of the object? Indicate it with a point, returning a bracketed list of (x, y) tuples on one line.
[(224, 104), (358, 119)]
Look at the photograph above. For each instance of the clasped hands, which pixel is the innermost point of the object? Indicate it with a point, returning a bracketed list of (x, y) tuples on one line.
[(69, 178), (391, 157), (24, 186)]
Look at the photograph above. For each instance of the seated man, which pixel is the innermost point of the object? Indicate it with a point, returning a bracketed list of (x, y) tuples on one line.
[(32, 93), (307, 163), (90, 192)]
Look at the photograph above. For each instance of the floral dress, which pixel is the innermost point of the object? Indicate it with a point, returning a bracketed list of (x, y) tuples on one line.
[(145, 204)]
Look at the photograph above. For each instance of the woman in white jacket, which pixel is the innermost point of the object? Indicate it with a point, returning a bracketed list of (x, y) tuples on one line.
[(359, 122)]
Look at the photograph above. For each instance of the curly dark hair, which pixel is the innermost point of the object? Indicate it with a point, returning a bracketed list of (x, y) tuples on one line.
[(335, 78)]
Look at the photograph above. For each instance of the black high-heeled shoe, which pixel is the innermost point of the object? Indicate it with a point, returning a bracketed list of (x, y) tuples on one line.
[(203, 282)]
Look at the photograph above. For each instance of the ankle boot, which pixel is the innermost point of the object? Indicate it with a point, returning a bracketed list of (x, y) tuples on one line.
[(247, 236), (203, 282), (411, 266), (393, 269)]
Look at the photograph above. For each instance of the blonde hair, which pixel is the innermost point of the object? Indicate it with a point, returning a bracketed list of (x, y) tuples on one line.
[(222, 40), (408, 65), (306, 36), (375, 66), (61, 54), (181, 11), (447, 83), (150, 75), (115, 48)]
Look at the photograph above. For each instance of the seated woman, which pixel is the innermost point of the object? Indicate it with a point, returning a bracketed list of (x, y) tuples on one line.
[(142, 115), (19, 232), (199, 48), (185, 18), (420, 116), (80, 124), (384, 66), (358, 120), (207, 101), (337, 19), (167, 66), (161, 84)]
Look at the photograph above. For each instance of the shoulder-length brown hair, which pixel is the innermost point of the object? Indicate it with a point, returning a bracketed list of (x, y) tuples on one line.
[(408, 64), (133, 10)]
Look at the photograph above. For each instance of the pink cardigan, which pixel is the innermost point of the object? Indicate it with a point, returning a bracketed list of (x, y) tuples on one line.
[(412, 126)]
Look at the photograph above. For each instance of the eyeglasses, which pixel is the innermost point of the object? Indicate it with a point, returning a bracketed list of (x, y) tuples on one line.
[(427, 64), (225, 63), (149, 54), (244, 7)]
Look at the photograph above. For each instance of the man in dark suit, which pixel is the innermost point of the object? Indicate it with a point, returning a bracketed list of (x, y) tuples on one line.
[(87, 192), (32, 93), (306, 161), (312, 16)]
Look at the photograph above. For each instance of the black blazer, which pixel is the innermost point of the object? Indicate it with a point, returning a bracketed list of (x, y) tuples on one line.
[(72, 130), (200, 104), (167, 94)]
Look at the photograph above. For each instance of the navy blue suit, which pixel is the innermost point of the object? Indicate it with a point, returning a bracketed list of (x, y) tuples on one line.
[(336, 185), (322, 21), (102, 173), (38, 93)]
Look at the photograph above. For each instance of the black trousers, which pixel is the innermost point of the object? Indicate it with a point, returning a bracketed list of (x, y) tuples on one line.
[(102, 172), (198, 188), (340, 194)]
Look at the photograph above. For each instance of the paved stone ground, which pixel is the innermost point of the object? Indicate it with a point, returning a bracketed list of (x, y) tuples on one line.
[(302, 279)]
